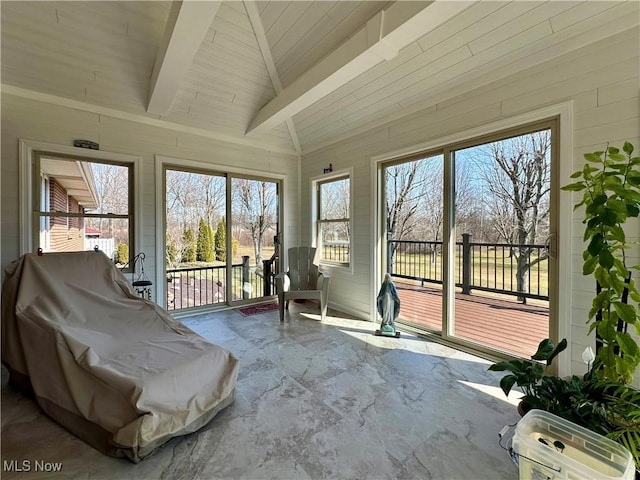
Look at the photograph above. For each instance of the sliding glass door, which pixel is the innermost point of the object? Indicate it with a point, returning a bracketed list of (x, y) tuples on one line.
[(254, 229), (196, 266), (466, 239), (219, 236), (413, 221), (502, 224)]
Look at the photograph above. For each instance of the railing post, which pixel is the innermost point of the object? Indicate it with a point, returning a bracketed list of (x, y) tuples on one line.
[(266, 270), (389, 255), (246, 281), (466, 263)]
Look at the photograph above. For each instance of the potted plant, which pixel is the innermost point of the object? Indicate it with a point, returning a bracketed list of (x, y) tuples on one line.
[(540, 390), (610, 182), (606, 407)]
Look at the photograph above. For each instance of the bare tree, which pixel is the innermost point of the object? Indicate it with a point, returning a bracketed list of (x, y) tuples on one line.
[(112, 191), (430, 209), (404, 185), (516, 172), (468, 200), (431, 200), (189, 197), (211, 197), (174, 250), (257, 203), (182, 201)]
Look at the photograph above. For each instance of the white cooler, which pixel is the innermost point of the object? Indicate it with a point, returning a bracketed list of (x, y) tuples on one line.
[(551, 448)]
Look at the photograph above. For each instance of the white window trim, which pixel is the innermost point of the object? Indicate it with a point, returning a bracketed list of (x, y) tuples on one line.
[(45, 222), (25, 173), (564, 111), (314, 182)]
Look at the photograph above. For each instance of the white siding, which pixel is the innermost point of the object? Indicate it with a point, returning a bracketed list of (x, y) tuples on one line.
[(601, 80), (32, 120)]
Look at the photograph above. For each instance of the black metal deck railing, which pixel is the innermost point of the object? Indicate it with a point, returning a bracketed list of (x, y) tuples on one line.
[(491, 267), (199, 286), (335, 252)]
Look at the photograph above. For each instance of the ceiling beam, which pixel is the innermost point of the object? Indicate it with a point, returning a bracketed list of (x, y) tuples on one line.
[(263, 44), (381, 38), (188, 23)]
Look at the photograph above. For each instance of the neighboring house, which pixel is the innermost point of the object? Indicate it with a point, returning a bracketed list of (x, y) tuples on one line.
[(92, 239), (66, 187), (91, 233)]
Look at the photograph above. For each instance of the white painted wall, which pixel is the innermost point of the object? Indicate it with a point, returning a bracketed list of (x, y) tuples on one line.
[(602, 82), (43, 122)]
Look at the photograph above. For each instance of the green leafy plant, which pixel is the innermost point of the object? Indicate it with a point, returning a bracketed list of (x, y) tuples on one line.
[(622, 415), (607, 408), (610, 182), (540, 390)]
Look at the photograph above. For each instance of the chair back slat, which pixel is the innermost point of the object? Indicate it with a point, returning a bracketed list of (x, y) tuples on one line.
[(302, 270)]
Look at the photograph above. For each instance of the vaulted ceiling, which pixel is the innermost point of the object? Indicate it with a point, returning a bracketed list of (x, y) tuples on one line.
[(289, 76)]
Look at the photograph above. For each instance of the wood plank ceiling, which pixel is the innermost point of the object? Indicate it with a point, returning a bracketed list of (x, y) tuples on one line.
[(288, 76)]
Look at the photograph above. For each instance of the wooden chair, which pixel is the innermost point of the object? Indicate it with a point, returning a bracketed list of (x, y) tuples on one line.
[(303, 280)]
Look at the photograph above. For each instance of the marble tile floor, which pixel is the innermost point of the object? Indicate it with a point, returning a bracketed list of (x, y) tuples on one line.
[(314, 400)]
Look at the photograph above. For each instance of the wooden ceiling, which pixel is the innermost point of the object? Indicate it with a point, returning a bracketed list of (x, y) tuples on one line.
[(288, 76)]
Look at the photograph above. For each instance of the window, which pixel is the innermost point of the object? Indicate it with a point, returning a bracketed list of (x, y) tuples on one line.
[(334, 224), (83, 204)]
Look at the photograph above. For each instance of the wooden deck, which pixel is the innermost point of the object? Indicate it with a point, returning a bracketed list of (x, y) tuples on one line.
[(506, 325)]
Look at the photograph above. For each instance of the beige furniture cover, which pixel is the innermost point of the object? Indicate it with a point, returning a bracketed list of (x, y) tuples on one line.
[(114, 369)]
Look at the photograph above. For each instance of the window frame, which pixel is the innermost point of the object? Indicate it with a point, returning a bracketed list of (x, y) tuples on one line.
[(318, 222), (30, 182), (45, 205), (76, 219), (561, 242)]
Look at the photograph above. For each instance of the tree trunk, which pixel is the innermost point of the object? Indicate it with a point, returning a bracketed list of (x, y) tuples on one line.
[(391, 253), (522, 265)]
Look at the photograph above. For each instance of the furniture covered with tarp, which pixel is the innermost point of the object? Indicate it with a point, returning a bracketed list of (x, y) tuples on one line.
[(114, 369)]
